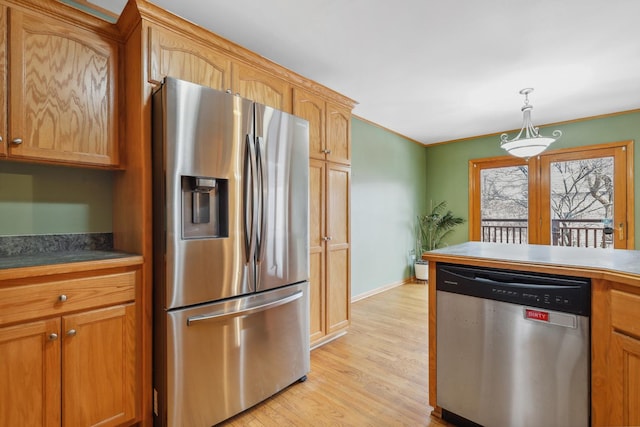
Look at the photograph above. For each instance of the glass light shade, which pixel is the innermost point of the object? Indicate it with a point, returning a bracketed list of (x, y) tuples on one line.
[(528, 147)]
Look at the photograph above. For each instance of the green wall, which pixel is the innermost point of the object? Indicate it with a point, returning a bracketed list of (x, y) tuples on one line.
[(393, 179), (447, 164), (388, 181), (43, 199)]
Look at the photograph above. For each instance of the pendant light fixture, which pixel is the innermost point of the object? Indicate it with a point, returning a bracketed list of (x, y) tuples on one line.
[(528, 142)]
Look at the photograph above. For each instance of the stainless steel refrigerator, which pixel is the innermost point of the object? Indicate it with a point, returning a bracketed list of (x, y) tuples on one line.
[(231, 240)]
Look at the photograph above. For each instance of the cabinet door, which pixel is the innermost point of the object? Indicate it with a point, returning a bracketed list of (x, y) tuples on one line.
[(338, 247), (176, 56), (338, 134), (3, 81), (312, 108), (99, 367), (624, 359), (63, 92), (261, 87), (30, 374), (625, 374), (317, 187)]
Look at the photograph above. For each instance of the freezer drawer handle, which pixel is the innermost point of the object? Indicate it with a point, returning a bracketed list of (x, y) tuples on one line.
[(245, 312)]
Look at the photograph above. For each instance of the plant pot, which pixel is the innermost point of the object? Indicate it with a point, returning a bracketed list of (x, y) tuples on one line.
[(422, 270)]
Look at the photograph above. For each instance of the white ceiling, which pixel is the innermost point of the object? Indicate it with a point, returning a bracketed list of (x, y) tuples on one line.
[(442, 70)]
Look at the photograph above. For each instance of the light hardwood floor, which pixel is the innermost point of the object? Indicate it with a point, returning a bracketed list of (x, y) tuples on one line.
[(375, 375)]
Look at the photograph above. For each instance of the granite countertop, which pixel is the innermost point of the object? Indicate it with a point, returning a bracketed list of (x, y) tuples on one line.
[(19, 261), (56, 249), (612, 260)]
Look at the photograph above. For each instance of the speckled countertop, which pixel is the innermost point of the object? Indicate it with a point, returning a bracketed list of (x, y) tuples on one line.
[(42, 250), (611, 260), (19, 261)]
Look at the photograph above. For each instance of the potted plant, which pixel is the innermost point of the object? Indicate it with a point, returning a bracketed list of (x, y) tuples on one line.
[(431, 229)]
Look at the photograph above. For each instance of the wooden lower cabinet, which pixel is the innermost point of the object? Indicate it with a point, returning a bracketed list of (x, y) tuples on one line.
[(330, 250), (98, 367), (615, 363), (624, 357), (76, 368), (338, 247), (30, 372), (93, 355), (317, 296), (625, 377)]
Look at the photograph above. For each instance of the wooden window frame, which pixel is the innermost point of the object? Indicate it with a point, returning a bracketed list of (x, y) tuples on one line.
[(538, 227)]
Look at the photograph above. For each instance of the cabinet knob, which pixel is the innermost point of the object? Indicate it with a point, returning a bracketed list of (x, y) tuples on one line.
[(62, 298), (326, 151), (326, 238), (71, 332), (53, 337), (16, 141), (1, 139)]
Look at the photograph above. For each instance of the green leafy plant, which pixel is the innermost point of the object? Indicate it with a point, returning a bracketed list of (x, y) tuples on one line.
[(432, 228)]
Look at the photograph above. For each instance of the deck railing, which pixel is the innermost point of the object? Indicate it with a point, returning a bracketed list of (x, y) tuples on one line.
[(566, 232), (504, 231)]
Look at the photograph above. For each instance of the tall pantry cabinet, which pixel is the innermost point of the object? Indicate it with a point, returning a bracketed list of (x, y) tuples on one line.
[(329, 206)]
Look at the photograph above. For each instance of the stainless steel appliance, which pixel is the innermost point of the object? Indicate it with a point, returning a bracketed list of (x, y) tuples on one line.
[(231, 268), (512, 347)]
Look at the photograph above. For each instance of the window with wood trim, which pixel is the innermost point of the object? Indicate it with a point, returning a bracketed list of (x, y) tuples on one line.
[(579, 196)]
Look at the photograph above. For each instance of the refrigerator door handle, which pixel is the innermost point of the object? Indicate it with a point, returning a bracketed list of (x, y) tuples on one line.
[(245, 312), (249, 202), (262, 194)]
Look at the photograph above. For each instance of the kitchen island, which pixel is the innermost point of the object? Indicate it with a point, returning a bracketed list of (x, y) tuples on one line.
[(615, 314)]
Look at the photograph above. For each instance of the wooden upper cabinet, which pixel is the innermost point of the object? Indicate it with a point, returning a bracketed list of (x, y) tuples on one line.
[(3, 81), (176, 56), (338, 134), (63, 92), (312, 108), (261, 87), (329, 127)]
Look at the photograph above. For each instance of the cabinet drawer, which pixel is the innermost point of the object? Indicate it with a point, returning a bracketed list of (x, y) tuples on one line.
[(18, 303), (625, 312)]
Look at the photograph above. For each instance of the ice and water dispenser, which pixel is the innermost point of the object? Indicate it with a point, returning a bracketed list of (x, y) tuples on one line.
[(204, 207)]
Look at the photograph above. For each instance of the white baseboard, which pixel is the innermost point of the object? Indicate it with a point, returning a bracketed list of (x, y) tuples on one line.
[(382, 289)]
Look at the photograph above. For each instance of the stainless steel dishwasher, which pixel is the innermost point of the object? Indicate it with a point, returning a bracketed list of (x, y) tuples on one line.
[(513, 348)]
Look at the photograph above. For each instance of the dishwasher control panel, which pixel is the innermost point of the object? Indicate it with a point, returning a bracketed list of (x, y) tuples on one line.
[(553, 299), (560, 293)]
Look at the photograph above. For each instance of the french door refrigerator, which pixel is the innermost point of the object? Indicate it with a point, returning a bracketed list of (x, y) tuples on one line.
[(231, 267)]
